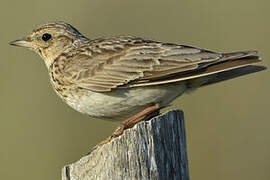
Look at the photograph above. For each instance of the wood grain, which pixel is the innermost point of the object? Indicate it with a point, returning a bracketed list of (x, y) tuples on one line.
[(155, 149)]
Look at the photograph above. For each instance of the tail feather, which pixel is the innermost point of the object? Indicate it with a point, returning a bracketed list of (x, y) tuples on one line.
[(226, 70), (238, 55), (233, 73), (220, 67)]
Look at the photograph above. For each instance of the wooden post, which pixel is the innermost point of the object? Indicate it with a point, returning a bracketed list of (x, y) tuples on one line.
[(155, 149)]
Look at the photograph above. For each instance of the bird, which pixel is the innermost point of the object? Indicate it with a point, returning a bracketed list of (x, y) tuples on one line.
[(126, 77)]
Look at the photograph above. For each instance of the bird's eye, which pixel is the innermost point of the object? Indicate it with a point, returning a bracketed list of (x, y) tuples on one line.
[(46, 37)]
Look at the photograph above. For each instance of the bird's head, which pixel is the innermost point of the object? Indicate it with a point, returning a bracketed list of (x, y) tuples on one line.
[(50, 40)]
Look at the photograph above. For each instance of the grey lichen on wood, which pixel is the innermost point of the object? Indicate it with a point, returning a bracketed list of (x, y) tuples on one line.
[(154, 149)]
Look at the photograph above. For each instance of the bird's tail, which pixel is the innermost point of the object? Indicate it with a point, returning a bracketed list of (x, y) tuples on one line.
[(233, 65), (233, 73)]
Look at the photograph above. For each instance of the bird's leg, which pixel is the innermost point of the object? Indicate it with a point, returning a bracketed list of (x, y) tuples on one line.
[(130, 122)]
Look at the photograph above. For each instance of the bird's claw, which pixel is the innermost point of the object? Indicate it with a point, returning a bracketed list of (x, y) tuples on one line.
[(118, 132)]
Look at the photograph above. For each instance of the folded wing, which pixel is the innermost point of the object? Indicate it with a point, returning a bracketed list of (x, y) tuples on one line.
[(133, 62)]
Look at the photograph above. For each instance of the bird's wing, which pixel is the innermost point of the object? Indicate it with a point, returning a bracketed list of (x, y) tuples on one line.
[(105, 64)]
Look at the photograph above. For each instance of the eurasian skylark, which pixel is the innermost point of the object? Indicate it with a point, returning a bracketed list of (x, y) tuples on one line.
[(127, 77)]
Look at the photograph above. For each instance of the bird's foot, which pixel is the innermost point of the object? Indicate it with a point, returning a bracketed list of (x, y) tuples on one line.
[(117, 132)]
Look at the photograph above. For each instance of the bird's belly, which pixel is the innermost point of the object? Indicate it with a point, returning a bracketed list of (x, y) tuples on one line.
[(123, 103)]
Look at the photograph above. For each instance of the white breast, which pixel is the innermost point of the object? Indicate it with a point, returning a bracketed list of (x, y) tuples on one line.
[(123, 103)]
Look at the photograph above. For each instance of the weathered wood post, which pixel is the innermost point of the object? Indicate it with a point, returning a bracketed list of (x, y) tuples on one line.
[(155, 149)]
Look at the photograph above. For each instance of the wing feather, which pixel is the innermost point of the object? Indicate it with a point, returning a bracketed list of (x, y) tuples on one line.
[(106, 64)]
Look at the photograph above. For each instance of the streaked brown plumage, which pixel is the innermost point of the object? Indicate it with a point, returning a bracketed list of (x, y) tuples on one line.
[(121, 76)]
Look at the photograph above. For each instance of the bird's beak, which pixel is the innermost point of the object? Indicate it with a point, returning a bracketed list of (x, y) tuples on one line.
[(24, 42)]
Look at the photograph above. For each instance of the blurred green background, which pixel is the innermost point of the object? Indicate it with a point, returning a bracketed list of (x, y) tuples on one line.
[(228, 125)]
